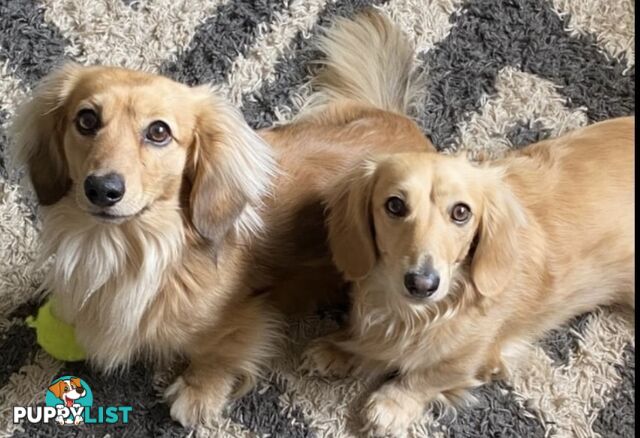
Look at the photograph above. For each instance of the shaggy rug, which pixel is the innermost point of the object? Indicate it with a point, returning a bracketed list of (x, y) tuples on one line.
[(500, 74)]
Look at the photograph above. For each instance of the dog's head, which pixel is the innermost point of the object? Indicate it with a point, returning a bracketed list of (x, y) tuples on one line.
[(68, 390), (121, 142), (417, 219)]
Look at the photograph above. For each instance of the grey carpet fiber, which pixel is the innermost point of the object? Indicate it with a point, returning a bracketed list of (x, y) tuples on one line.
[(500, 74)]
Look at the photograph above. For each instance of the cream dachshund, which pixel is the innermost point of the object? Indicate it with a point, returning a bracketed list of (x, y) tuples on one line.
[(455, 265)]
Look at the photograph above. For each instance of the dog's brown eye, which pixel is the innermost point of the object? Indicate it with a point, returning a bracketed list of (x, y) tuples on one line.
[(396, 207), (460, 213), (158, 133), (87, 122)]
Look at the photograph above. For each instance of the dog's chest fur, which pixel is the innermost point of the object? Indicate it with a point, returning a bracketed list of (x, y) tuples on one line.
[(105, 277), (388, 329)]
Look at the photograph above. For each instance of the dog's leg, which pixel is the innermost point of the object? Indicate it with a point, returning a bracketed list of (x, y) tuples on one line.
[(200, 393), (328, 356), (400, 402), (227, 365), (324, 356)]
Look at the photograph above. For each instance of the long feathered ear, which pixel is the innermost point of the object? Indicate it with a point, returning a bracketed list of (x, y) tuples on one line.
[(231, 170), (38, 132), (502, 220), (351, 234)]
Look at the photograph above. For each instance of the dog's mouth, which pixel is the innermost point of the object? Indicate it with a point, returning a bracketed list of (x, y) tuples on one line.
[(68, 402), (104, 216)]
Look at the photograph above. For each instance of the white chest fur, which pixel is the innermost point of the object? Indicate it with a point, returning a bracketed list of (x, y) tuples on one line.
[(106, 276)]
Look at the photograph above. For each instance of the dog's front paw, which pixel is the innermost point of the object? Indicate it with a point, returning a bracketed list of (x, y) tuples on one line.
[(60, 420), (78, 420), (390, 411), (324, 358), (191, 405)]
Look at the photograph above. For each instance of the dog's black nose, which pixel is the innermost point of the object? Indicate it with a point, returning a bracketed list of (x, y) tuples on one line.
[(80, 389), (422, 285), (104, 191)]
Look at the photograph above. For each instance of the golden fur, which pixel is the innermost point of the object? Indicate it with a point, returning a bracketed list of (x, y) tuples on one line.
[(367, 69), (206, 220), (163, 277), (551, 236)]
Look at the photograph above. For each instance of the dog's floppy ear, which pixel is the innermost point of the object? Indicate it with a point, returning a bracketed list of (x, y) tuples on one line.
[(57, 388), (351, 234), (38, 132), (502, 219), (76, 382), (230, 170)]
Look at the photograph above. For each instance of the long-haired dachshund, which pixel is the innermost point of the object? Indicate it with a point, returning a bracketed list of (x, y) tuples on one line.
[(455, 265), (166, 213)]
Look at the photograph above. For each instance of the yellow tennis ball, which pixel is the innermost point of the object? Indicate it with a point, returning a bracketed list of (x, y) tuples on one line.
[(55, 336)]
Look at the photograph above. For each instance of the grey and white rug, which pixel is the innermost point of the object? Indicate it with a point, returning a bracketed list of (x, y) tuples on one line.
[(500, 74)]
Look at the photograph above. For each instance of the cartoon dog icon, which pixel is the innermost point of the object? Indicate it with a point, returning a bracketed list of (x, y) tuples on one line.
[(69, 391)]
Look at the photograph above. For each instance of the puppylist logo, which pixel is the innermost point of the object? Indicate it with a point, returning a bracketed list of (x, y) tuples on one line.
[(69, 402)]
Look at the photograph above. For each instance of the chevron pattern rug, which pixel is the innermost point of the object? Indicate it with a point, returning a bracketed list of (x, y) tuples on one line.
[(500, 74)]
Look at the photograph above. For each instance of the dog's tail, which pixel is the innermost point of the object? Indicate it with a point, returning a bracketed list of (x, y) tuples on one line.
[(368, 60)]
